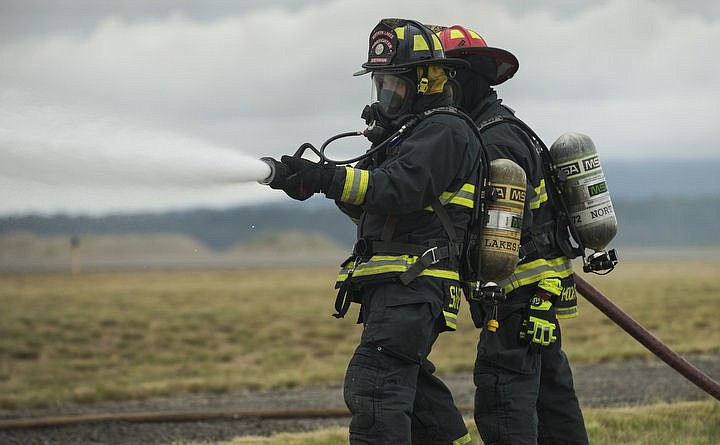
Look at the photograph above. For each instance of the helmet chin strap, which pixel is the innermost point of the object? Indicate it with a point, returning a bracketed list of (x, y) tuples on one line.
[(423, 82)]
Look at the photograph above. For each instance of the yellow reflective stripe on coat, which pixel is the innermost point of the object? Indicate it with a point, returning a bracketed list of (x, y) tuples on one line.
[(566, 312), (384, 264), (356, 184), (464, 197), (534, 271), (450, 320), (540, 195), (380, 264), (466, 439)]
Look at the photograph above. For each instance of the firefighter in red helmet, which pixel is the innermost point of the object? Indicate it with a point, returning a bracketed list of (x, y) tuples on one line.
[(524, 387)]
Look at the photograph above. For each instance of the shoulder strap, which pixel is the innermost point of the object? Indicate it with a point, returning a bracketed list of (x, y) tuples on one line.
[(556, 185)]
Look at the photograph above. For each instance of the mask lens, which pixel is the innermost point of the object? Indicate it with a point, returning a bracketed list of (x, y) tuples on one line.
[(391, 92)]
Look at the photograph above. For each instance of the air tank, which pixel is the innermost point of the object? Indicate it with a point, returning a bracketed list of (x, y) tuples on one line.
[(500, 242), (585, 190)]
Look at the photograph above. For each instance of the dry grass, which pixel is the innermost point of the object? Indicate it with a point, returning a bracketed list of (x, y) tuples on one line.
[(132, 335), (692, 423), (113, 336)]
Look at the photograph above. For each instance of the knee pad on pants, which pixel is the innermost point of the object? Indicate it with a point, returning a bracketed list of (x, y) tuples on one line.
[(377, 391)]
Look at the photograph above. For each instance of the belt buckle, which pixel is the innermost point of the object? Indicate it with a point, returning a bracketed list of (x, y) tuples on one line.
[(431, 251)]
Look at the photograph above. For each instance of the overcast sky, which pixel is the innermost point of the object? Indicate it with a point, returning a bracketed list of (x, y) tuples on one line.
[(97, 95)]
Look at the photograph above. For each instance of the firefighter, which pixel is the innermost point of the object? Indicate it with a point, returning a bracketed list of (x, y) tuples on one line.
[(404, 267), (524, 387)]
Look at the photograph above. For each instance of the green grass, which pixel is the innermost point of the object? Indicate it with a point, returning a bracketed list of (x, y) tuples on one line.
[(694, 423), (119, 336)]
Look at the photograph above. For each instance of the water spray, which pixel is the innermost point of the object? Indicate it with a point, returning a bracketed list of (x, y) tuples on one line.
[(60, 158)]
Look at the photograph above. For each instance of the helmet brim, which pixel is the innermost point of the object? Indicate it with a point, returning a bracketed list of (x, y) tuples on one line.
[(507, 64), (449, 62)]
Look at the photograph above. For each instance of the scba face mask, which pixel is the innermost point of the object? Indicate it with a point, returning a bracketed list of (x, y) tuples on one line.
[(393, 94), (392, 98)]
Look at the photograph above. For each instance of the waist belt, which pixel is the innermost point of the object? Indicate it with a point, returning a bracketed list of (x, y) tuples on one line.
[(431, 253), (427, 255)]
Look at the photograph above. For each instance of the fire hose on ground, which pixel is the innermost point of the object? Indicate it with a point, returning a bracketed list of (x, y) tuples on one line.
[(644, 337)]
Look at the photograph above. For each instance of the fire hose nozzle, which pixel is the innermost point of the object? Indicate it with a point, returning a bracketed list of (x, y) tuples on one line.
[(278, 172)]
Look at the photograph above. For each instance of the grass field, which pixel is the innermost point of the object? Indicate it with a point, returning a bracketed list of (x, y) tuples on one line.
[(116, 336)]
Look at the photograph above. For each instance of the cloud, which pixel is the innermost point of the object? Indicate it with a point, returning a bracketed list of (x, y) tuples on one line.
[(639, 77), (635, 75)]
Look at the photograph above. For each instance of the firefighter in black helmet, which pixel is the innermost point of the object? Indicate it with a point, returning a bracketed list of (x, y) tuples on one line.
[(524, 386), (404, 267)]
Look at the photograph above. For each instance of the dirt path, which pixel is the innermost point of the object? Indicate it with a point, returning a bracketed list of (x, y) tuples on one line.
[(631, 382)]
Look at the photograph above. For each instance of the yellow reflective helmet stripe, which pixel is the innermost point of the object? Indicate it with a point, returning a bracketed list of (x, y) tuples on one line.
[(437, 44), (456, 34), (356, 184), (419, 42)]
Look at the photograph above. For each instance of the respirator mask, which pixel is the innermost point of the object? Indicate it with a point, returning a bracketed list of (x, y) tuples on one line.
[(392, 98)]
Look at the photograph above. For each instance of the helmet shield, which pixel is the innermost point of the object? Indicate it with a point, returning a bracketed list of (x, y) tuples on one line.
[(393, 93)]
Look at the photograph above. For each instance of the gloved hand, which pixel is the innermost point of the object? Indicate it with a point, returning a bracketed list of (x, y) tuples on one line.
[(306, 177), (539, 326)]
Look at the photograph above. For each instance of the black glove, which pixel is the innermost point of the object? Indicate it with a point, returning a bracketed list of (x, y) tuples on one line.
[(306, 177)]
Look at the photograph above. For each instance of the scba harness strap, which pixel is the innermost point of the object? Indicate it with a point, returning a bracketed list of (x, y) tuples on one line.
[(426, 255), (557, 235)]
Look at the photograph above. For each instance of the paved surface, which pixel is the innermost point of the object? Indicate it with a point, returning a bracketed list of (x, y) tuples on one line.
[(612, 384)]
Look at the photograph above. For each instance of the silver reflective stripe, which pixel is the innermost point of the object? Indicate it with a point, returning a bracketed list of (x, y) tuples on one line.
[(356, 183)]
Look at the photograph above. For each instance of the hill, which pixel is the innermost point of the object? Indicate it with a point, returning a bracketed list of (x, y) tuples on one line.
[(643, 222)]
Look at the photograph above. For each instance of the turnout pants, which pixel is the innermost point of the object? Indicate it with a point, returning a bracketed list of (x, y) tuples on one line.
[(524, 397), (390, 388)]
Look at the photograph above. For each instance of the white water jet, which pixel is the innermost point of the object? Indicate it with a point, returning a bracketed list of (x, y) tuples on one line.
[(62, 150), (56, 146)]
